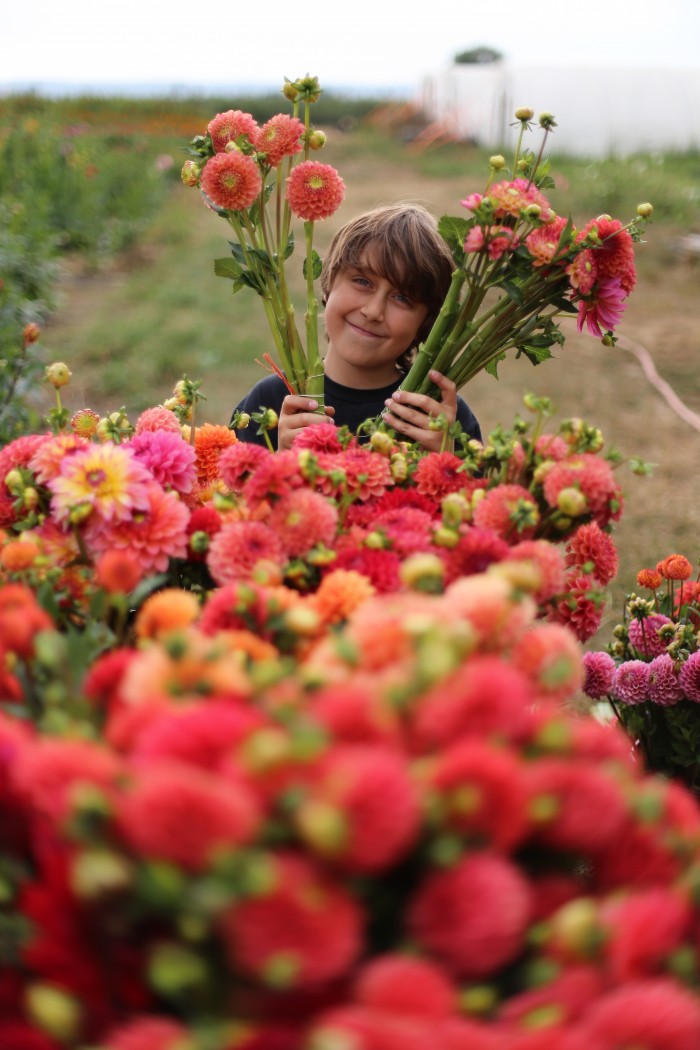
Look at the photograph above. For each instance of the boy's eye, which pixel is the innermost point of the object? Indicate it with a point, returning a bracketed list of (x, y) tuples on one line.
[(405, 300)]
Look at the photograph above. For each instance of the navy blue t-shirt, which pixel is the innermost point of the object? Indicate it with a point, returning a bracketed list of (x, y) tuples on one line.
[(352, 407)]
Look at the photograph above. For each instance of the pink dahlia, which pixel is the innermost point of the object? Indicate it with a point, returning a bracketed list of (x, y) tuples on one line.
[(408, 530), (381, 567), (361, 472), (157, 418), (664, 685), (547, 559), (319, 437), (543, 242), (370, 792), (630, 683), (644, 635), (497, 240), (155, 533), (226, 127), (581, 608), (510, 511), (407, 986), (306, 929), (46, 461), (551, 656), (655, 1013), (273, 476), (689, 677), (167, 456), (231, 181), (475, 550), (106, 480), (238, 462), (582, 272), (279, 137), (438, 473), (593, 550), (599, 668), (604, 310), (594, 477), (302, 519), (474, 916), (314, 190), (147, 1033), (238, 547), (178, 813), (613, 252), (17, 454)]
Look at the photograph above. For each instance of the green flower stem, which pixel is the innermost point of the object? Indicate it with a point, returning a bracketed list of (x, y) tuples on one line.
[(314, 379), (430, 348)]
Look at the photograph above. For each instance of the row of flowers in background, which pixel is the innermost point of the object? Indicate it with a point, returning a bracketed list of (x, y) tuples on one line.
[(285, 760)]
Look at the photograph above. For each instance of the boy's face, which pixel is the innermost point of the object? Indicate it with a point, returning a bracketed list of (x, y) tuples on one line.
[(370, 323)]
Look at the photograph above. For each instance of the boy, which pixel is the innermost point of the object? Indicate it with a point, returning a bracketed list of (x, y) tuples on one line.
[(384, 280)]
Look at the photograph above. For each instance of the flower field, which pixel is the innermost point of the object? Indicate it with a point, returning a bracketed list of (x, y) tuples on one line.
[(294, 753)]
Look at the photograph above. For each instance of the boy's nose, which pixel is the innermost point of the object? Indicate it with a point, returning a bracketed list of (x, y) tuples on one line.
[(373, 307)]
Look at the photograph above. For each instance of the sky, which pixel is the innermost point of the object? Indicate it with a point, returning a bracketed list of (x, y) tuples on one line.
[(364, 45)]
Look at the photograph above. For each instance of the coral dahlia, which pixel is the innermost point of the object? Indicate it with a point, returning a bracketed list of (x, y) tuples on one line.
[(231, 181), (314, 191), (279, 137), (227, 127)]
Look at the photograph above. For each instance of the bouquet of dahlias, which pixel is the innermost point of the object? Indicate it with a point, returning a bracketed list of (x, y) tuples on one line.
[(257, 179), (650, 672), (520, 268)]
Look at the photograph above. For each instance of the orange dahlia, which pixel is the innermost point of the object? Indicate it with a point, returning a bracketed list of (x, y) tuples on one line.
[(314, 190), (339, 594), (231, 181), (675, 567), (209, 442), (226, 127), (166, 610)]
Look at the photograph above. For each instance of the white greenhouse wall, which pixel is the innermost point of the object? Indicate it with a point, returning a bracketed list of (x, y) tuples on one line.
[(599, 111)]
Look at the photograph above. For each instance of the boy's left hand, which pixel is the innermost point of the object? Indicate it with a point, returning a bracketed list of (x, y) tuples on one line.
[(410, 414)]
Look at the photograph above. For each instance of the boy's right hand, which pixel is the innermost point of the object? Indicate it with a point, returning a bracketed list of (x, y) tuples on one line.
[(298, 411)]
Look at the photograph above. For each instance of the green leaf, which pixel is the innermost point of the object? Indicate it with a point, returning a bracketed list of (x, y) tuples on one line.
[(227, 268), (492, 366), (535, 354), (290, 246), (454, 230), (513, 292), (316, 265)]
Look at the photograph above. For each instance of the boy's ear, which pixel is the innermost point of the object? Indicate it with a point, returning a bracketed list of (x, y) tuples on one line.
[(324, 301)]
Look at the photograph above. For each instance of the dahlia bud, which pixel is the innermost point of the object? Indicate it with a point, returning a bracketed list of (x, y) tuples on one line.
[(266, 749), (645, 210), (30, 498), (32, 332), (199, 542), (381, 442), (423, 572), (497, 162), (317, 140), (190, 173), (376, 541), (455, 509), (309, 88), (290, 90), (445, 537), (58, 374), (524, 113), (302, 620), (100, 871), (399, 468), (269, 419), (174, 969), (79, 513), (572, 502), (323, 826), (241, 421), (54, 1011), (547, 121), (14, 481), (533, 211), (576, 929)]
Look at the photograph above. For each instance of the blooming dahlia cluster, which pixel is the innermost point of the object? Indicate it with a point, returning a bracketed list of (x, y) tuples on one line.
[(251, 850), (651, 671)]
